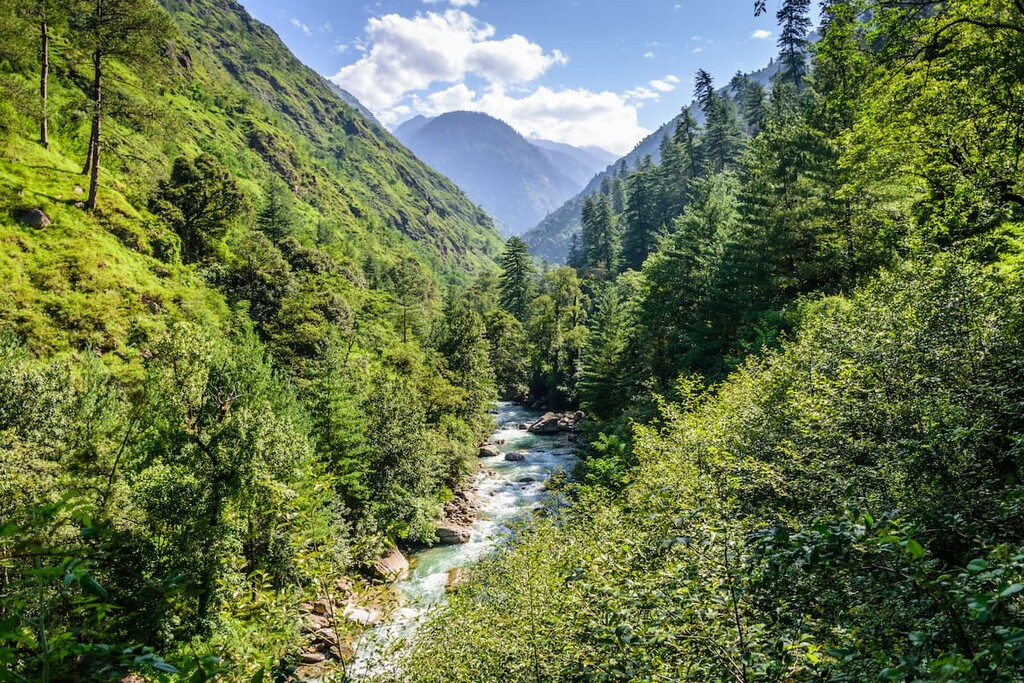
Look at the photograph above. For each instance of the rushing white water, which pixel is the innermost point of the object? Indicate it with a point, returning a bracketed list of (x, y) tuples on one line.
[(505, 491)]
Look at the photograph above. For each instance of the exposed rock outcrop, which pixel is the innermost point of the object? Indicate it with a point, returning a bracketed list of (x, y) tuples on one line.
[(553, 423)]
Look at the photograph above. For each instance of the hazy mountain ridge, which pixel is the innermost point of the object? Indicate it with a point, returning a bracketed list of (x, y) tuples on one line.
[(516, 180)]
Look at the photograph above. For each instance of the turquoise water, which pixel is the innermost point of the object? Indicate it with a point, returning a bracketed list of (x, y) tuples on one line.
[(502, 497)]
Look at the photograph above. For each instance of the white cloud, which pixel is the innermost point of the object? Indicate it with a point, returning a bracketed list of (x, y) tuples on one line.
[(697, 50), (642, 92), (454, 3), (575, 116), (407, 54), (440, 61), (667, 84), (652, 90), (761, 34), (301, 26), (648, 55)]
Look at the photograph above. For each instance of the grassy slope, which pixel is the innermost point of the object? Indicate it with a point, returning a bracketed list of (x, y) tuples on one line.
[(228, 87), (329, 153)]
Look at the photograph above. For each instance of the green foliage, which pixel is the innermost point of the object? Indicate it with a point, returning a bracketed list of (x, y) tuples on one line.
[(846, 508), (509, 354), (200, 201), (516, 269)]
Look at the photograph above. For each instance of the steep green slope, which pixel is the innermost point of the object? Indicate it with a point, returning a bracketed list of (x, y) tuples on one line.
[(226, 86), (318, 143), (232, 386)]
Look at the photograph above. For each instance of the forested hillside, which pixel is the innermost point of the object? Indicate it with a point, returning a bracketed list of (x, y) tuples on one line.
[(551, 238), (799, 340), (233, 368)]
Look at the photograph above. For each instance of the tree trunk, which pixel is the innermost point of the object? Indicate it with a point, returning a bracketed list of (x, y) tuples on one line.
[(94, 143), (44, 86), (207, 581), (88, 158)]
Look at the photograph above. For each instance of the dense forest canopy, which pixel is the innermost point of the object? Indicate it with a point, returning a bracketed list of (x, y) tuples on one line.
[(248, 345)]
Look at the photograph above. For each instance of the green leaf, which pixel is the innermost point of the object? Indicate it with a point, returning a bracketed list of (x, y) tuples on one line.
[(92, 586), (1011, 590), (978, 565), (915, 549)]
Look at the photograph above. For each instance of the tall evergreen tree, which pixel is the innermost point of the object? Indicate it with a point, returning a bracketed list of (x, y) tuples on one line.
[(278, 217), (601, 377), (722, 138), (640, 218), (461, 341), (600, 237), (516, 271), (794, 25), (131, 31)]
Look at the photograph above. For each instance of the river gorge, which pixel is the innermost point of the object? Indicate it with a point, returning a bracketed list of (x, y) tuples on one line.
[(505, 489)]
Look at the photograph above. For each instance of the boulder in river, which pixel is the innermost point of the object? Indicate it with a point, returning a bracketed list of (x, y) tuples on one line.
[(489, 451), (449, 533), (548, 424), (515, 457), (456, 577), (392, 567), (362, 615)]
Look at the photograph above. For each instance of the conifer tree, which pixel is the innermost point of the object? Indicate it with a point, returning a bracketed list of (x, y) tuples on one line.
[(600, 237), (601, 377), (278, 218), (516, 271), (130, 31), (794, 26), (640, 220)]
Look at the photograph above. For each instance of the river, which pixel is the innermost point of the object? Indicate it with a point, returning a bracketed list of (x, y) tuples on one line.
[(505, 490)]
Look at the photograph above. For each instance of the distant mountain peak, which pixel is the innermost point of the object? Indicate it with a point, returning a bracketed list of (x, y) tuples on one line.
[(516, 180)]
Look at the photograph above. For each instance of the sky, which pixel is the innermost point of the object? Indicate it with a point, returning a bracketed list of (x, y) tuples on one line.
[(583, 72)]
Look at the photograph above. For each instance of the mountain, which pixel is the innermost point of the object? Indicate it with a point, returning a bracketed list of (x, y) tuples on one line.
[(550, 238), (591, 159), (353, 102), (516, 181), (225, 85)]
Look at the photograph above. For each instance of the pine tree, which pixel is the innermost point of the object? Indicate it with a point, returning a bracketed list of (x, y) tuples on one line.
[(722, 139), (794, 26), (461, 342), (600, 237), (42, 18), (278, 217), (516, 271), (640, 219), (601, 377), (130, 31)]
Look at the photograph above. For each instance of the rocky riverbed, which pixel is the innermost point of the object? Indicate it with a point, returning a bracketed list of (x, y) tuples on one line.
[(517, 461)]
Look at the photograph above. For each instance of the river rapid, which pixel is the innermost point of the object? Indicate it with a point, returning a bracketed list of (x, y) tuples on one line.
[(505, 491)]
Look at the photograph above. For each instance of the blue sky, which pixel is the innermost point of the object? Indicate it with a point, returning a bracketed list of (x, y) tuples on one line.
[(585, 72)]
